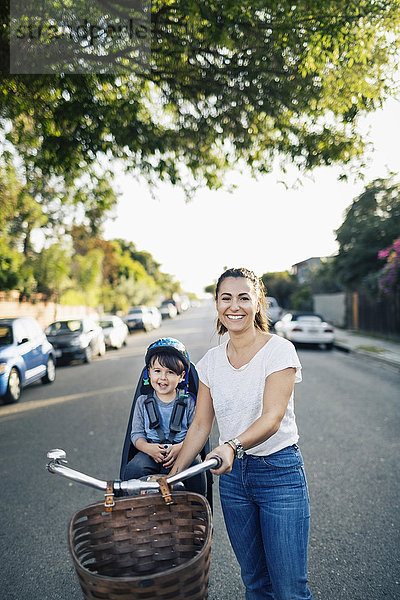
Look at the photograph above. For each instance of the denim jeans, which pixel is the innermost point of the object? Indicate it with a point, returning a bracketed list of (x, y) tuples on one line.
[(266, 510), (142, 464)]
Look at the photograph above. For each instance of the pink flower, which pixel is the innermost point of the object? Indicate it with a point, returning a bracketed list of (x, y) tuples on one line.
[(389, 279), (383, 253)]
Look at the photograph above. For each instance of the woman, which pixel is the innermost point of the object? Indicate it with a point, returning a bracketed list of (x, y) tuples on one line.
[(247, 384)]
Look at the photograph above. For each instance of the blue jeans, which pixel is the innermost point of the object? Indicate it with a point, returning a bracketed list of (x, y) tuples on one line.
[(266, 510), (142, 464)]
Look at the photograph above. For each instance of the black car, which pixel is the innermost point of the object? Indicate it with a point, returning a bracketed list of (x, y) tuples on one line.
[(76, 339)]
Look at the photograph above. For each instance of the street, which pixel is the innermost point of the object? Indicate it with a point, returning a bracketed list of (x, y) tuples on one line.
[(348, 417)]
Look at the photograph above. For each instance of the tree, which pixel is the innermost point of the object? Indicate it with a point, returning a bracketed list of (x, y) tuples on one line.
[(227, 82), (301, 299), (372, 222), (211, 289), (52, 268), (88, 276), (325, 279), (281, 286), (10, 265)]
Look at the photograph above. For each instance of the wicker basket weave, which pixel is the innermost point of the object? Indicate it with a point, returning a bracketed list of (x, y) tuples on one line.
[(144, 549)]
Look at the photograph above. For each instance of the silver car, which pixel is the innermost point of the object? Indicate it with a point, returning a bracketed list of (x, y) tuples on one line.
[(274, 311), (156, 317), (139, 317), (115, 331)]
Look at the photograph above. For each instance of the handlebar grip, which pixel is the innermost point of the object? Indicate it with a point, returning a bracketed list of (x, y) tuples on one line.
[(218, 461)]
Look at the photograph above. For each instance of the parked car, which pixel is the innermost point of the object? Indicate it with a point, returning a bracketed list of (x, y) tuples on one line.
[(25, 356), (176, 300), (274, 311), (156, 317), (306, 328), (139, 317), (76, 339), (168, 310), (115, 331)]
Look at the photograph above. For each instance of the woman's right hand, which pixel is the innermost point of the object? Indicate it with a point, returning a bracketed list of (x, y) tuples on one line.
[(226, 454)]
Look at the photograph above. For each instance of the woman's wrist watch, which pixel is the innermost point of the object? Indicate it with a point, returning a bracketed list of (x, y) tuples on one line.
[(236, 447)]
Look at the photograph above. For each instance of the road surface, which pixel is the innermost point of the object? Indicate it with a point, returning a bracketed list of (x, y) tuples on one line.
[(348, 416)]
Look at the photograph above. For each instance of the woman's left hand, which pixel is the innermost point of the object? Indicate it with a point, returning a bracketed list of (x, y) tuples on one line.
[(226, 454)]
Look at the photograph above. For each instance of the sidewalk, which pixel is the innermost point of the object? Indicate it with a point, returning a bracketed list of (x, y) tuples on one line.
[(373, 347)]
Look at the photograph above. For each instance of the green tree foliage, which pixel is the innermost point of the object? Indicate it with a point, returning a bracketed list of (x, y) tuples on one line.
[(325, 279), (301, 299), (10, 265), (372, 223), (210, 289), (52, 271), (227, 82), (20, 212), (281, 286)]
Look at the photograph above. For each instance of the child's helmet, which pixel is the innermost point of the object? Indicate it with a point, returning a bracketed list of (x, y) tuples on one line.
[(168, 345)]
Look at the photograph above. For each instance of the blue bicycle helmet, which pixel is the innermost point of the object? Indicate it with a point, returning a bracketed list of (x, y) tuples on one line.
[(168, 344)]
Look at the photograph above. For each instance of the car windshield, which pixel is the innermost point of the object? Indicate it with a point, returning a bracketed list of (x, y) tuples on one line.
[(135, 311), (313, 318), (105, 324), (6, 336), (64, 327)]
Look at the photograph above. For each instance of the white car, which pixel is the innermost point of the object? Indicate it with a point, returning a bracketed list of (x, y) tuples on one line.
[(168, 310), (306, 328), (115, 331), (274, 311), (139, 317), (156, 317)]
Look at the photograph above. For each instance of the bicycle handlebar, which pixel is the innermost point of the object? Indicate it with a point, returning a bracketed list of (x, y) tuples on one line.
[(58, 465)]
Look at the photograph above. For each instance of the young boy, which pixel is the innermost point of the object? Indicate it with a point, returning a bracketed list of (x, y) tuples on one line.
[(158, 446)]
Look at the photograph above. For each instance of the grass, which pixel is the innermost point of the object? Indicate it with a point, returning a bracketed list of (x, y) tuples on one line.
[(370, 349)]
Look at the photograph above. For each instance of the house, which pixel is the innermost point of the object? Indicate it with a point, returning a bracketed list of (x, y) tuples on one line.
[(304, 269)]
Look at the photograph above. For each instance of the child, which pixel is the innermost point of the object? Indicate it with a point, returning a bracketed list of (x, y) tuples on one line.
[(161, 418)]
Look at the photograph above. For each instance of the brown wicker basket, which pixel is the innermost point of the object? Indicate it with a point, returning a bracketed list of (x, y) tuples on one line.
[(143, 549)]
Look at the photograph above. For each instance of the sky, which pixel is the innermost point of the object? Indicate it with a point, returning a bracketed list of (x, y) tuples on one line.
[(262, 225)]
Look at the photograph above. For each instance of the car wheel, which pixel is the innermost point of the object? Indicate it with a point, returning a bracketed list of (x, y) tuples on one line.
[(13, 392), (50, 375), (88, 355), (102, 349)]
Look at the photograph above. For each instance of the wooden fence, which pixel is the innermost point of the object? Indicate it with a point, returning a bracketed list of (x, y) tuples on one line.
[(371, 314)]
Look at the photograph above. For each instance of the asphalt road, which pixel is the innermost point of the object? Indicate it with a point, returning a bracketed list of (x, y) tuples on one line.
[(347, 411)]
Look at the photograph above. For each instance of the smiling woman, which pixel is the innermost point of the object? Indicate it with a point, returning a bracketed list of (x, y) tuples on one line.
[(243, 296), (247, 383)]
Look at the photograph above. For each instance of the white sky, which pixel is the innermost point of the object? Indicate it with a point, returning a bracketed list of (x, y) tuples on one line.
[(261, 225)]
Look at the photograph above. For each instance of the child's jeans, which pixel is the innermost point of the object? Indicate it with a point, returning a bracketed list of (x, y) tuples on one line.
[(142, 464)]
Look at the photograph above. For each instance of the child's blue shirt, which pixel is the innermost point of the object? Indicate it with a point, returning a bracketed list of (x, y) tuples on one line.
[(141, 424)]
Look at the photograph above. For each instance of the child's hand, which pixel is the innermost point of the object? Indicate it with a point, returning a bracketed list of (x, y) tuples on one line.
[(171, 455), (157, 452)]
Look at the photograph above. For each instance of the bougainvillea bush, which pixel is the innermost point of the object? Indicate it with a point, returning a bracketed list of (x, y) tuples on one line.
[(389, 279)]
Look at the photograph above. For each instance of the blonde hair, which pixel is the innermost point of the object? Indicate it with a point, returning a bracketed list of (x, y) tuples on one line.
[(260, 319)]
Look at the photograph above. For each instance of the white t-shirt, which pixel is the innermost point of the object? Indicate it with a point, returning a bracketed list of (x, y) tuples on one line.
[(237, 394)]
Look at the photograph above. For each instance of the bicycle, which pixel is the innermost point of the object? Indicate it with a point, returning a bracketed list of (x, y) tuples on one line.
[(144, 546)]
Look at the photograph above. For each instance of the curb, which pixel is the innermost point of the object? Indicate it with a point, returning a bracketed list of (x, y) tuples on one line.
[(376, 357)]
